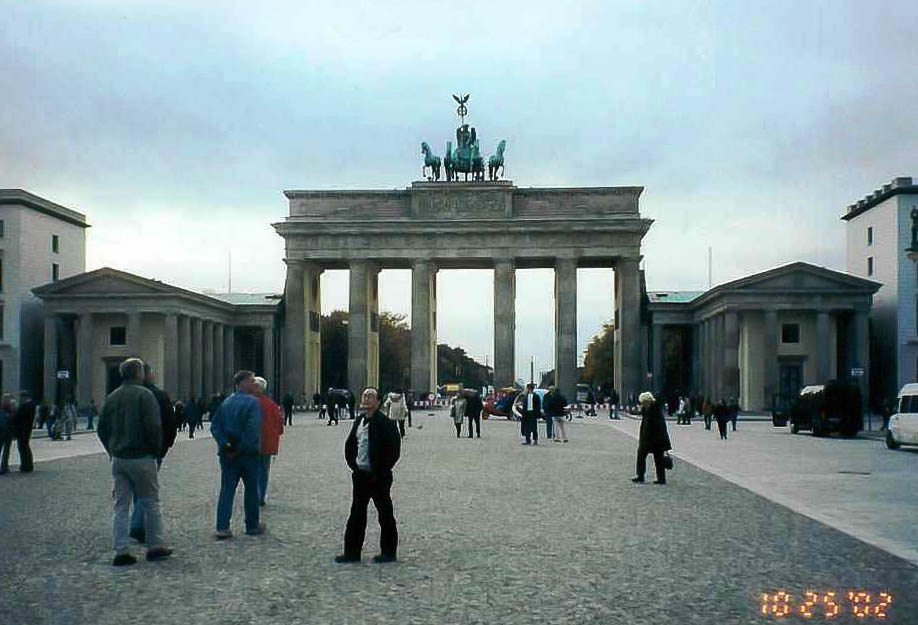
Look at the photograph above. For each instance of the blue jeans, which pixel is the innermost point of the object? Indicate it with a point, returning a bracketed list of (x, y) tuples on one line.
[(264, 468), (137, 515), (548, 430), (244, 467)]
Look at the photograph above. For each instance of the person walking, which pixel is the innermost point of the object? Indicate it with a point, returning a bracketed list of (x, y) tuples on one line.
[(236, 428), (51, 421), (473, 408), (721, 415), (7, 413), (371, 450), (92, 413), (530, 409), (192, 415), (653, 439), (316, 400), (287, 402), (613, 406), (707, 411), (555, 405), (170, 431), (458, 413), (68, 418), (22, 423), (179, 409), (396, 408), (131, 432), (733, 410), (272, 426)]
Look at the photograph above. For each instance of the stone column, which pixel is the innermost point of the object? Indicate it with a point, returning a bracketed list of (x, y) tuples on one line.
[(731, 374), (84, 360), (363, 326), (197, 352), (169, 376), (566, 326), (504, 323), (295, 325), (628, 374), (825, 349), (219, 362), (423, 326), (695, 378), (49, 391), (229, 357), (207, 359), (134, 335), (184, 356), (770, 357), (718, 357), (267, 346), (657, 366), (312, 301)]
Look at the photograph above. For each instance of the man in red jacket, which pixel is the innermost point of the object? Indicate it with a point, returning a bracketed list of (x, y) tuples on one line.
[(272, 426)]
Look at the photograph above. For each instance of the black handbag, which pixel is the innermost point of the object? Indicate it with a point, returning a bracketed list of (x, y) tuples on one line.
[(668, 461)]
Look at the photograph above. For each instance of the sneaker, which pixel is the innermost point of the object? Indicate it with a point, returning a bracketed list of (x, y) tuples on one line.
[(139, 535), (223, 534), (257, 530), (160, 553), (565, 440), (124, 559), (345, 559), (535, 442), (381, 559), (637, 480)]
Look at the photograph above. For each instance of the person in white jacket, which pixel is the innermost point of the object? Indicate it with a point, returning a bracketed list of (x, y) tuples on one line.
[(397, 409)]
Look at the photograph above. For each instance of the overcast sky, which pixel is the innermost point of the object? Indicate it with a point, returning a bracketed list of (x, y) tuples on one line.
[(175, 126)]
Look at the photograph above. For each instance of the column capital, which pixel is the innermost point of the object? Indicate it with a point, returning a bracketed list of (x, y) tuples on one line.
[(505, 260), (429, 263)]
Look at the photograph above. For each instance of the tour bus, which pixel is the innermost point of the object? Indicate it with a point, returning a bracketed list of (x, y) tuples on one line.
[(903, 426)]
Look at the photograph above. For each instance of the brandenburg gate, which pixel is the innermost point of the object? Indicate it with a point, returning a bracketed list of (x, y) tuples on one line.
[(458, 225)]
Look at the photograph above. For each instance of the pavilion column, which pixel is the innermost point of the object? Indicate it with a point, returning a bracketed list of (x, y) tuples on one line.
[(295, 324), (718, 357), (84, 360), (312, 302), (566, 326), (207, 359), (657, 366), (627, 328), (363, 326), (197, 351), (267, 346), (134, 335), (50, 360), (219, 372), (184, 358), (731, 377), (770, 357), (229, 357), (825, 348), (504, 323), (695, 379), (170, 372), (423, 326)]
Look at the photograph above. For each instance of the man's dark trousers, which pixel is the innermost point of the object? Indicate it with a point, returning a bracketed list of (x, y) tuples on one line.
[(530, 429), (288, 415), (476, 419), (244, 467), (548, 427), (657, 463), (367, 487)]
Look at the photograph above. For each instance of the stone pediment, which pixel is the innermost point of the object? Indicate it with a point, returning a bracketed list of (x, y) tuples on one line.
[(104, 282), (801, 277)]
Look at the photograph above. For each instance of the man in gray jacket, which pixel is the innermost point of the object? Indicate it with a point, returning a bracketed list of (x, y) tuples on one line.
[(131, 432)]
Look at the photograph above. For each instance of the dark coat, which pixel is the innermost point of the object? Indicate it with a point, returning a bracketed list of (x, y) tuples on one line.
[(654, 436), (473, 405), (536, 405), (555, 403), (166, 416), (385, 444), (25, 418)]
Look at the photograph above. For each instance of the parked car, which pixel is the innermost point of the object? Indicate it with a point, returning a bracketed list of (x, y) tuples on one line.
[(827, 408), (903, 425)]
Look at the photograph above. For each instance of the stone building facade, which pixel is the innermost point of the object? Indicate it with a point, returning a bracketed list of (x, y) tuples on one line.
[(877, 232), (194, 342), (765, 335), (40, 242)]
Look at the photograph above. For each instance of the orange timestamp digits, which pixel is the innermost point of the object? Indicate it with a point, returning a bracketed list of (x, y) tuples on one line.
[(862, 604)]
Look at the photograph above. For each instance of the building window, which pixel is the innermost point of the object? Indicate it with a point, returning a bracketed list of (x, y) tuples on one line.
[(870, 265), (790, 332), (870, 235), (55, 272), (1, 228), (117, 335), (55, 243), (1, 274), (2, 316)]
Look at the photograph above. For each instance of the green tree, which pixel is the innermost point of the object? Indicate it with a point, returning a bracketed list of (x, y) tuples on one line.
[(453, 365), (599, 362), (334, 350), (394, 352)]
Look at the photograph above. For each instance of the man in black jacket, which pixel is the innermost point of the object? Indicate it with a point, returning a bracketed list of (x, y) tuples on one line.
[(371, 450), (473, 408), (170, 431), (531, 410)]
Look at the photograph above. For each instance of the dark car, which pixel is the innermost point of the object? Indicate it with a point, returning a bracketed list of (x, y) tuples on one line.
[(829, 408)]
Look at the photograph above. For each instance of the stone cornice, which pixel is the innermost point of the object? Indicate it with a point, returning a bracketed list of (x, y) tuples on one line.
[(24, 198)]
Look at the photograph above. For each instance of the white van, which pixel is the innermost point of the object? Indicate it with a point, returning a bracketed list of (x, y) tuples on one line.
[(903, 426)]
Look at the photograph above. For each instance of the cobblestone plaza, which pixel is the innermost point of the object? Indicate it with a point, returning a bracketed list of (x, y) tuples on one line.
[(490, 532)]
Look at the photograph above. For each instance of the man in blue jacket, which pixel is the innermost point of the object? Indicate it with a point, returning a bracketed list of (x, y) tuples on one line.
[(236, 428)]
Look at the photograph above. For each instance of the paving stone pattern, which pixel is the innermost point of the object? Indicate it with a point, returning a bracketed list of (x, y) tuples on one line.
[(491, 532)]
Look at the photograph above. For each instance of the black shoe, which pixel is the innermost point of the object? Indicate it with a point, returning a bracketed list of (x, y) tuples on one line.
[(659, 481), (160, 553), (124, 559), (257, 531), (346, 559), (139, 535), (637, 480), (382, 558)]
